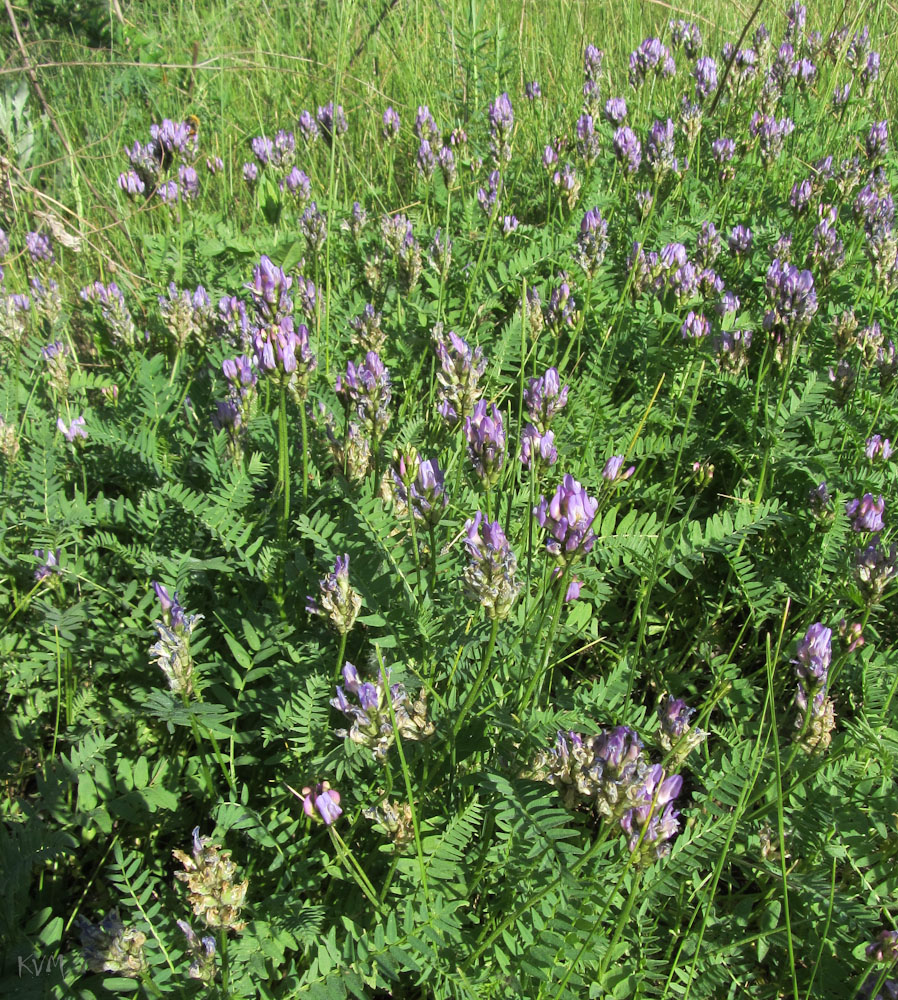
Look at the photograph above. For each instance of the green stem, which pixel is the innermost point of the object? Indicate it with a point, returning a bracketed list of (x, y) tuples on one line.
[(340, 655), (547, 651), (284, 461), (479, 681), (305, 452)]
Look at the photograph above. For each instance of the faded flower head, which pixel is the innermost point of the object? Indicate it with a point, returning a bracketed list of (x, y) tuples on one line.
[(338, 600), (209, 874), (171, 652), (485, 434), (201, 952), (111, 947), (676, 734)]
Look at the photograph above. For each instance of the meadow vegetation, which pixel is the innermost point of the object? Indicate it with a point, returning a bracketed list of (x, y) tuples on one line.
[(447, 532)]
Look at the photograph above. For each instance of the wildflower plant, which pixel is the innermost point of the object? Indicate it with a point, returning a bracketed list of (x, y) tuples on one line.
[(556, 378)]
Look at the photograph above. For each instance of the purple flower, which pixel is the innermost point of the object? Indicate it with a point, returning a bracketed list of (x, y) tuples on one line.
[(616, 110), (813, 658), (627, 149), (800, 195), (262, 148), (592, 62), (39, 247), (250, 173), (49, 564), (332, 120), (544, 397), (490, 575), (685, 35), (298, 184), (873, 569), (659, 151), (390, 121), (771, 134), (877, 143), (425, 126), (446, 162), (866, 513), (485, 435), (488, 198), (707, 245), (611, 473), (427, 161), (76, 429), (321, 803), (367, 387), (740, 240), (878, 449), (651, 56), (308, 127), (536, 447), (588, 144), (695, 326), (339, 601), (461, 369), (568, 518), (792, 296), (705, 73), (131, 183), (532, 90)]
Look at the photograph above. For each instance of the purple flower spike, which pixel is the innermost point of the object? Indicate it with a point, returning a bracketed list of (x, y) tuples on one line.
[(390, 128), (544, 397), (568, 518), (490, 576), (705, 74), (536, 447), (627, 149), (814, 656), (866, 513), (532, 90), (485, 435), (616, 110)]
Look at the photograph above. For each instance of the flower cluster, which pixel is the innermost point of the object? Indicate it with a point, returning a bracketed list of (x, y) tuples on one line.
[(278, 347), (171, 651), (676, 736), (874, 568), (568, 518), (372, 724), (338, 600), (501, 122), (650, 57), (113, 311), (592, 241), (866, 513), (490, 575), (111, 947), (201, 951), (816, 719), (210, 876), (419, 484), (461, 369), (367, 392), (611, 773), (188, 316), (485, 434)]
